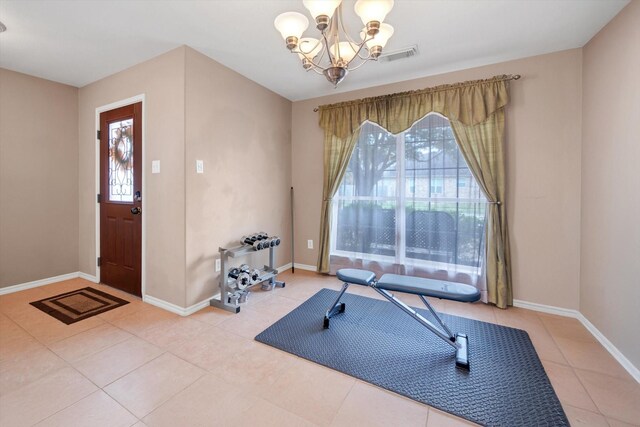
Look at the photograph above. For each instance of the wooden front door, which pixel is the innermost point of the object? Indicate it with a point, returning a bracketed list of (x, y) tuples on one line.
[(121, 198)]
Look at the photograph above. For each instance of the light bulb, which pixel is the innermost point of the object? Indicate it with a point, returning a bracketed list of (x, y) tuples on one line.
[(291, 24), (380, 39), (373, 10), (321, 7), (309, 47), (344, 50)]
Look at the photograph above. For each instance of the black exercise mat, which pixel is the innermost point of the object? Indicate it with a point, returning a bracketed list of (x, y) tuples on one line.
[(376, 342)]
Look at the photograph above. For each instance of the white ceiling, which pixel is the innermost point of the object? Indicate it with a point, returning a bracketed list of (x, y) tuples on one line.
[(81, 41)]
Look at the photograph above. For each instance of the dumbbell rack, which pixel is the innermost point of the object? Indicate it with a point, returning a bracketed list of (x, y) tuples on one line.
[(267, 274)]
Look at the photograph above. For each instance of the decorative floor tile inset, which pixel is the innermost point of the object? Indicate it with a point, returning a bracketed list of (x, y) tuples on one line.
[(77, 305)]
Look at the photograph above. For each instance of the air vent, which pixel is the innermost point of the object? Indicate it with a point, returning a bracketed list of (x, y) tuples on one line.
[(396, 55)]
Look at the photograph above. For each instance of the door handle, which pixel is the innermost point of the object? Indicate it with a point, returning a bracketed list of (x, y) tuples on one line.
[(136, 211)]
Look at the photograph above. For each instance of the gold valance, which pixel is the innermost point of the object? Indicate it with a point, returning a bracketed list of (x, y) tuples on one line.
[(470, 103)]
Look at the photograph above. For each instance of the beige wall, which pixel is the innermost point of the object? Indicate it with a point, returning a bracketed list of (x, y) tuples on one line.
[(543, 170), (242, 131), (162, 81), (610, 247), (38, 178), (195, 109)]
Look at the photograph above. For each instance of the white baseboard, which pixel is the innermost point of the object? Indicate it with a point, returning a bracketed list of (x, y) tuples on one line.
[(566, 312), (307, 267), (549, 309), (36, 283), (626, 363), (193, 308), (175, 308), (284, 268), (88, 277)]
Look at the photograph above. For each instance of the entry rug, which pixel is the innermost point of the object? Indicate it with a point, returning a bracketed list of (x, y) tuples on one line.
[(378, 343), (71, 307)]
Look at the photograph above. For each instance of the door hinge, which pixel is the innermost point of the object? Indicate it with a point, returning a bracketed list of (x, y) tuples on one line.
[(99, 262), (99, 198), (98, 135)]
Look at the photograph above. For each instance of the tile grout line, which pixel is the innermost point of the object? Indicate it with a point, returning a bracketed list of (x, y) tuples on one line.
[(128, 372), (573, 370), (85, 397), (586, 369), (342, 403), (178, 392), (97, 351)]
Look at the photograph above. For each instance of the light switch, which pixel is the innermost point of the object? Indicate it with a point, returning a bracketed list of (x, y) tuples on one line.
[(155, 166), (218, 265), (309, 244), (199, 166)]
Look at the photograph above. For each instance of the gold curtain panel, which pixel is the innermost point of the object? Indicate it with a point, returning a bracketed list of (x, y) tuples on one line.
[(475, 110), (469, 102)]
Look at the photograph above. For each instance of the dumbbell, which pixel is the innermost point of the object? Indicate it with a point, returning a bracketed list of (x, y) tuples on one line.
[(234, 273), (268, 242), (255, 276), (243, 297), (253, 273), (275, 241), (252, 241), (234, 298), (243, 281)]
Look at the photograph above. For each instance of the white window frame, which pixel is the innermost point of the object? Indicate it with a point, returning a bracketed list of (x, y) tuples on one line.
[(400, 258)]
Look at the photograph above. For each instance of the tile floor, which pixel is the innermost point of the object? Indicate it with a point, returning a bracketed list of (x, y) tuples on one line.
[(139, 365)]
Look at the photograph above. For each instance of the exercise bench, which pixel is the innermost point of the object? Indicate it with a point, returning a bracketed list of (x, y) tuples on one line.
[(412, 285)]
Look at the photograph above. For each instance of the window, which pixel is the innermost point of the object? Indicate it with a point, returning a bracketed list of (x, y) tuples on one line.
[(410, 198), (121, 161)]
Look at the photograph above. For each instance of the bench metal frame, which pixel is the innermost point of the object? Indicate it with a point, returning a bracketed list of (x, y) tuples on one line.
[(458, 341)]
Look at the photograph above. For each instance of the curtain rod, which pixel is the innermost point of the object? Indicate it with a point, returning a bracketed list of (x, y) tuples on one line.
[(433, 89)]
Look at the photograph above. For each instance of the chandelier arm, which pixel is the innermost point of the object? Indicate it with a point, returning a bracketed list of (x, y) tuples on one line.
[(322, 52), (305, 54), (315, 64), (354, 57), (326, 45), (344, 30), (365, 58), (360, 65)]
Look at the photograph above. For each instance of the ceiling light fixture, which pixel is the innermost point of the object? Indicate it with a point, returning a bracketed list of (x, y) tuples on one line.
[(335, 53)]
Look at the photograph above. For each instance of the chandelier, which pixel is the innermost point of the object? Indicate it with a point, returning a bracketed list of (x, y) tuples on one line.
[(336, 53)]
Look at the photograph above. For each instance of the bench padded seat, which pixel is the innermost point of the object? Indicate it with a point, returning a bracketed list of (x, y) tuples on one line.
[(428, 287), (355, 276)]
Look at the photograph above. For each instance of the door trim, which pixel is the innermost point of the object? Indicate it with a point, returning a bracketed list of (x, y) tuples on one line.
[(102, 109)]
